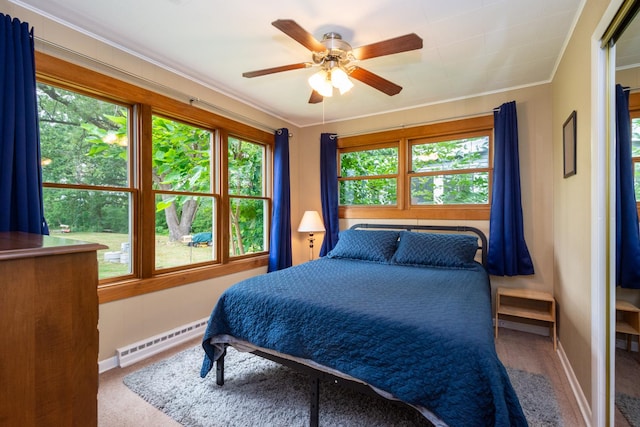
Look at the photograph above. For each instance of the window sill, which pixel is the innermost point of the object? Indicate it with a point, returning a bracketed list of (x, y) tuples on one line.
[(130, 288)]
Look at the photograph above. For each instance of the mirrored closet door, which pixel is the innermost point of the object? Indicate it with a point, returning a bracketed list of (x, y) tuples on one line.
[(627, 300)]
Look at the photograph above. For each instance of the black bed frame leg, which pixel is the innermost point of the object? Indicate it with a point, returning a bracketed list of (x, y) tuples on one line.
[(220, 368), (314, 407)]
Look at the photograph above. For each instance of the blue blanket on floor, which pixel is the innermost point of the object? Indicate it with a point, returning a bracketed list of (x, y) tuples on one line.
[(424, 335)]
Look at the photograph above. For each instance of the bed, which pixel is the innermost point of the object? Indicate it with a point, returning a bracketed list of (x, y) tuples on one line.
[(403, 312)]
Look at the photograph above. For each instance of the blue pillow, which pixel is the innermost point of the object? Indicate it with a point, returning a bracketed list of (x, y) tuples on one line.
[(366, 245), (436, 249)]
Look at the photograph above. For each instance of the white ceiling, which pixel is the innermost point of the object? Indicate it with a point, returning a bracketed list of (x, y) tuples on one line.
[(628, 46), (471, 47)]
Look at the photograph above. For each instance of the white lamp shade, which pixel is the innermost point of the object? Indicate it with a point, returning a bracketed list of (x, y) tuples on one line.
[(311, 223), (340, 80), (321, 84)]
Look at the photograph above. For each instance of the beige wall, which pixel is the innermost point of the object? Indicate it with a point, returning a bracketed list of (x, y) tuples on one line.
[(629, 77), (534, 124), (572, 216), (130, 320), (574, 222)]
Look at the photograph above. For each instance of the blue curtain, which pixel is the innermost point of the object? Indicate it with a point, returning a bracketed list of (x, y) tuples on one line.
[(280, 246), (627, 234), (508, 254), (329, 190), (20, 171)]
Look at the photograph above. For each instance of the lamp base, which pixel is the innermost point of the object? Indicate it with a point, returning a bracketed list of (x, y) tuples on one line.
[(311, 239)]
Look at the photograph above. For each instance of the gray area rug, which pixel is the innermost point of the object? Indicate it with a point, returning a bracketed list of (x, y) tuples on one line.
[(630, 408), (258, 392), (537, 398)]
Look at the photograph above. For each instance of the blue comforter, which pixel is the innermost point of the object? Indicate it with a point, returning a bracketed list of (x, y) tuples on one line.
[(423, 335)]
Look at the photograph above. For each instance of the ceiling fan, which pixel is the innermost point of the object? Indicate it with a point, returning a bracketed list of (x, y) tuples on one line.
[(337, 60)]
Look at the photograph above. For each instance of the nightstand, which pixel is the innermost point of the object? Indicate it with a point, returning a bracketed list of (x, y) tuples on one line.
[(627, 320), (528, 304)]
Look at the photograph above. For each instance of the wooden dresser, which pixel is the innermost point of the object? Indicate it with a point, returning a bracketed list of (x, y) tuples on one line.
[(49, 324)]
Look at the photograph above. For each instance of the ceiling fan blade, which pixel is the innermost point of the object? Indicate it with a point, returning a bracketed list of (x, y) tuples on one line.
[(299, 34), (388, 47), (315, 98), (375, 81), (279, 69)]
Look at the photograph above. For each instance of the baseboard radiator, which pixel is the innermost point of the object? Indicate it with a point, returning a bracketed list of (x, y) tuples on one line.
[(142, 349)]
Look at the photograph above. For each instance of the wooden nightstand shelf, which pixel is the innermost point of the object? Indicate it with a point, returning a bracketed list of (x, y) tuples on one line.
[(527, 304), (627, 320)]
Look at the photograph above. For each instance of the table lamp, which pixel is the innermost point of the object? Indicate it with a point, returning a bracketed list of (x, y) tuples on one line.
[(311, 223)]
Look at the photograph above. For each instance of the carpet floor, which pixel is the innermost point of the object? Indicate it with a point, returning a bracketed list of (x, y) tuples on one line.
[(259, 392), (530, 360)]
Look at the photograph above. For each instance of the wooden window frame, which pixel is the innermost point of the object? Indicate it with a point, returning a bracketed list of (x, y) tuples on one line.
[(267, 164), (456, 129), (145, 103), (213, 193), (377, 146)]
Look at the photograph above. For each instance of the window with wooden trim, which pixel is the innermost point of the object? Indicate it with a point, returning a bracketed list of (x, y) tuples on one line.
[(450, 172), (88, 189), (369, 176), (247, 197), (186, 194), (439, 171), (177, 193)]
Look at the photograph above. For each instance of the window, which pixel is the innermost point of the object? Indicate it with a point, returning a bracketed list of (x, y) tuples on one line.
[(369, 176), (248, 204), (185, 202), (440, 171), (85, 168), (177, 194), (450, 172)]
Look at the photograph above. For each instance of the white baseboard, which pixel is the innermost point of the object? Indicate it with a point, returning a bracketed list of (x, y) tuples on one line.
[(143, 349), (583, 403), (107, 364)]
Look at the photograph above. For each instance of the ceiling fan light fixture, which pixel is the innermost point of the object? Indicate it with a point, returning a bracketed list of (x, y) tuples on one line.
[(335, 56), (321, 83), (340, 80)]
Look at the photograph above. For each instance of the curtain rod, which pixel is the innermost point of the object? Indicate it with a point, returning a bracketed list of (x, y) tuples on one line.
[(166, 89), (364, 132)]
